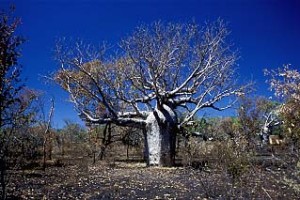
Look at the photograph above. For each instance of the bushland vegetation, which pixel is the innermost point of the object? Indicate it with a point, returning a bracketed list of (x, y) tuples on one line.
[(252, 155)]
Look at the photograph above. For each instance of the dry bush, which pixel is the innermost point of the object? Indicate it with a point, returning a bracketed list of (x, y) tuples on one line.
[(223, 156), (194, 152)]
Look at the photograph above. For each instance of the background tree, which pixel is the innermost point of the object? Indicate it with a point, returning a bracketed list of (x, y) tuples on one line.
[(285, 82), (73, 140), (47, 153), (16, 101), (10, 69), (74, 132), (255, 114), (159, 71)]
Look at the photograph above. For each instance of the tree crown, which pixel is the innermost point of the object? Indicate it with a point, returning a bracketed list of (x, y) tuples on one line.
[(158, 67)]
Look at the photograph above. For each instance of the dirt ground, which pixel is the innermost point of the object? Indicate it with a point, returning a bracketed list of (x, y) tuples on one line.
[(135, 181)]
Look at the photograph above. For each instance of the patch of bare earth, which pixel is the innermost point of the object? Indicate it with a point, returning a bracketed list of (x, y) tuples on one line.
[(135, 181)]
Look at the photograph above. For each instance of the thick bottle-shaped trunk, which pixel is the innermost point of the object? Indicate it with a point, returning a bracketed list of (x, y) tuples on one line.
[(160, 140)]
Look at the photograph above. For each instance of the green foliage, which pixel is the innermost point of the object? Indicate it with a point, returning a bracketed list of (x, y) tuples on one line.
[(252, 114), (199, 125), (74, 132)]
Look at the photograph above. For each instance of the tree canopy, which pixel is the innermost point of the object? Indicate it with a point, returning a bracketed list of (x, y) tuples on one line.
[(180, 66)]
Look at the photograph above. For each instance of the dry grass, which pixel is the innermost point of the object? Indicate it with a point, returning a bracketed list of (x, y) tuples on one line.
[(135, 181)]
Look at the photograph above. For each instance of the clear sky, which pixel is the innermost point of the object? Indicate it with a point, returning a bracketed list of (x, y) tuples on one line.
[(266, 32)]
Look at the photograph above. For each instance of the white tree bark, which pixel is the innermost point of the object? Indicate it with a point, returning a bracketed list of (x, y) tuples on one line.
[(160, 137), (153, 140), (272, 120)]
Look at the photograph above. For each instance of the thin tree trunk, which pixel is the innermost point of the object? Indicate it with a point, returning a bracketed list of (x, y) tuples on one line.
[(127, 152), (2, 181), (106, 141), (47, 133), (63, 144), (146, 148), (94, 156), (49, 153), (2, 159), (44, 153)]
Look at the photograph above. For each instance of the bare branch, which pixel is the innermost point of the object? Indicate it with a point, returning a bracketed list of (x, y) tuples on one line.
[(177, 65)]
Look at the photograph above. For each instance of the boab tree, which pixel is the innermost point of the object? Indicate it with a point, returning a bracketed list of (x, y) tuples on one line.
[(158, 71)]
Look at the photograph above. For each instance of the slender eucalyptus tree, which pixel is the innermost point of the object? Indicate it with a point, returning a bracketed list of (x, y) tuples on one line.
[(285, 82), (16, 101)]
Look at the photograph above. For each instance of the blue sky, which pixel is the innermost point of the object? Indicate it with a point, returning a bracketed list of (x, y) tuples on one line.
[(266, 32)]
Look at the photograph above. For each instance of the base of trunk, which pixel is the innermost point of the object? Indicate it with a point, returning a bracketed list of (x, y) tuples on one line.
[(160, 139)]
